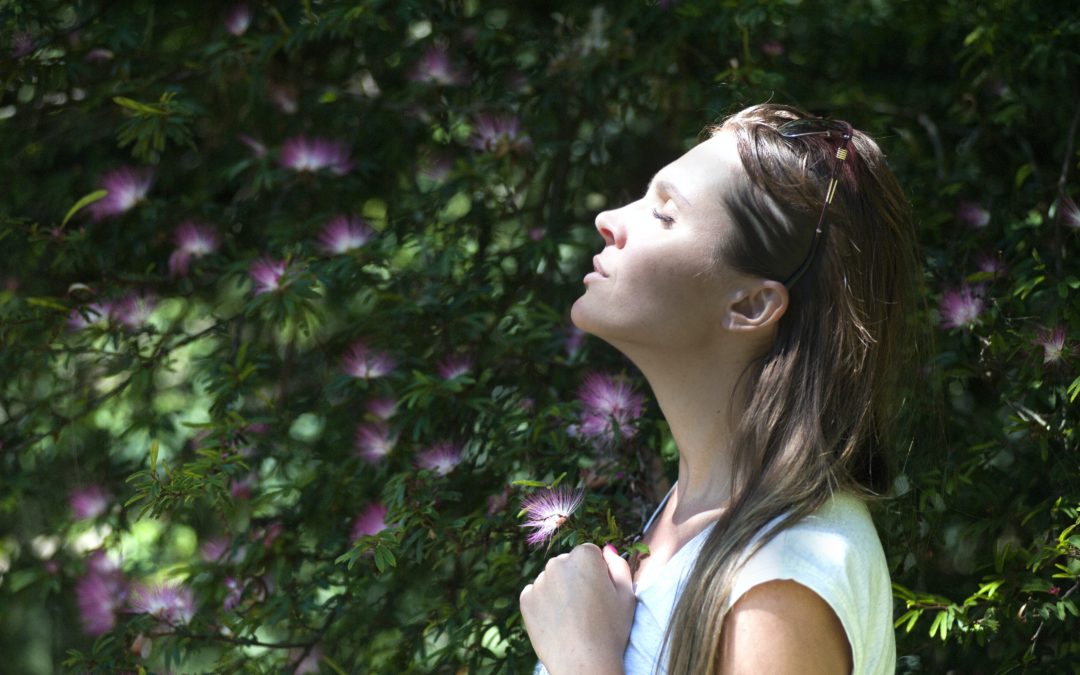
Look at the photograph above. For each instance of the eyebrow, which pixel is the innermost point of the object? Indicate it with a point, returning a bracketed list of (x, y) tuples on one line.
[(669, 188)]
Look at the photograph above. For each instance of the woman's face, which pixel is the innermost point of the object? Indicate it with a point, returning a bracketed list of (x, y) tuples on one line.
[(657, 282)]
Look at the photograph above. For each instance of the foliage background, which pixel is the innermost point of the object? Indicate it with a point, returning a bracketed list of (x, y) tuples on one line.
[(477, 252)]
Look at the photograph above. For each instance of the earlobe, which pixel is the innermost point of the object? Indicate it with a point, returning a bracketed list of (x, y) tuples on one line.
[(757, 306)]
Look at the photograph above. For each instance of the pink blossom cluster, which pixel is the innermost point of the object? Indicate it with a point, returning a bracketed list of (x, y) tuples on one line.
[(454, 366), (435, 67), (169, 603), (499, 134), (961, 307), (440, 457), (610, 408), (132, 310), (193, 240), (546, 510), (100, 594), (345, 233), (371, 520), (238, 19), (367, 364), (268, 274), (126, 187), (88, 502), (305, 154), (1052, 341)]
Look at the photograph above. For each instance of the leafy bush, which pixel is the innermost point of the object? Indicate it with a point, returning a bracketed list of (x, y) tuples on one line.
[(284, 335)]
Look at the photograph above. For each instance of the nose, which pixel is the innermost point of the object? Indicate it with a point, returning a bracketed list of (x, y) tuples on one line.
[(610, 227)]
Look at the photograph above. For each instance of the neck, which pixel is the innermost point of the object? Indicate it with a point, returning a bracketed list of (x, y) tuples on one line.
[(695, 389)]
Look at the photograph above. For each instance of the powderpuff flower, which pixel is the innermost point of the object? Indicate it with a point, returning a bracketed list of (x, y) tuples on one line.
[(193, 240), (1069, 212), (99, 594), (238, 19), (772, 48), (343, 234), (573, 340), (440, 458), (1053, 344), (93, 314), (303, 154), (257, 147), (366, 363), (547, 510), (499, 134), (170, 604), (373, 442), (234, 591), (267, 273), (372, 520), (127, 186), (972, 214), (434, 169), (610, 407), (959, 308), (991, 264), (214, 549), (435, 67), (88, 502), (284, 97), (455, 366), (382, 408), (134, 310)]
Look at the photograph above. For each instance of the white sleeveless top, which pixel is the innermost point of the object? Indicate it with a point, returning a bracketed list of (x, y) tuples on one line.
[(834, 552)]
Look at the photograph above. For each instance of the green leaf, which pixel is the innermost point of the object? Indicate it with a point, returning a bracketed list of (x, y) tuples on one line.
[(83, 203), (138, 107)]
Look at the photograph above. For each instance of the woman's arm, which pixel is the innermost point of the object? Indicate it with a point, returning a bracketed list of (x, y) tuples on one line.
[(784, 627), (579, 611)]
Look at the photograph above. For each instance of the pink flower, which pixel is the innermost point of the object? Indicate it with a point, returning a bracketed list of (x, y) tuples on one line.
[(372, 520), (382, 408), (440, 458), (267, 274), (170, 604), (193, 240), (99, 594), (257, 147), (499, 134), (284, 97), (991, 265), (303, 154), (134, 310), (373, 441), (772, 48), (959, 308), (215, 549), (234, 593), (546, 510), (241, 489), (343, 234), (575, 337), (366, 363), (1053, 344), (434, 169), (1069, 212), (435, 68), (95, 313), (238, 19), (455, 366), (610, 408), (126, 186), (972, 214), (88, 502)]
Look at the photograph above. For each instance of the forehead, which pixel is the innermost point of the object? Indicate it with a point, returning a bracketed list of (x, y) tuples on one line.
[(705, 171)]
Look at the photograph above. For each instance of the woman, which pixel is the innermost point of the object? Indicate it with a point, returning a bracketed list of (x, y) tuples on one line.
[(762, 287)]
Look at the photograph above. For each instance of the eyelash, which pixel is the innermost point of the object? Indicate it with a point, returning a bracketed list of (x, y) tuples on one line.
[(666, 220)]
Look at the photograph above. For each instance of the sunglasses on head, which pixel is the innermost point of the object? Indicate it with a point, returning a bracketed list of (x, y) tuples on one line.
[(818, 127)]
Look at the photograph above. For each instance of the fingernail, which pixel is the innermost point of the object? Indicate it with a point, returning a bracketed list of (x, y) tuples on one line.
[(612, 549)]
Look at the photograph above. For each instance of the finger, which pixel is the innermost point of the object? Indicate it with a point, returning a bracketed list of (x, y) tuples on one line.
[(618, 570)]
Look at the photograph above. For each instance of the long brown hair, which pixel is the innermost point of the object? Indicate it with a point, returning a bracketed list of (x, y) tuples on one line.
[(820, 400)]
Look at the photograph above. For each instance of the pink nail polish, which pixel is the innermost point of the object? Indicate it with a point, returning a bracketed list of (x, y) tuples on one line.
[(611, 548)]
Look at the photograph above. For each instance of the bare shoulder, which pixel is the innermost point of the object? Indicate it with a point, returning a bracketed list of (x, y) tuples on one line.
[(784, 627)]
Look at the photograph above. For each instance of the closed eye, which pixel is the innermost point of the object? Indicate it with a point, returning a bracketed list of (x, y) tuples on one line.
[(666, 220)]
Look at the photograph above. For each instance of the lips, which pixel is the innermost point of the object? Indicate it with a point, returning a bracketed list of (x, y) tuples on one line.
[(597, 267)]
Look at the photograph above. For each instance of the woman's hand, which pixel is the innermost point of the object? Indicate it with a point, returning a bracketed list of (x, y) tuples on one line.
[(579, 611)]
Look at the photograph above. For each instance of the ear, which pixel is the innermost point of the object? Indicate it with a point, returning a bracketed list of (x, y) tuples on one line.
[(757, 305)]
